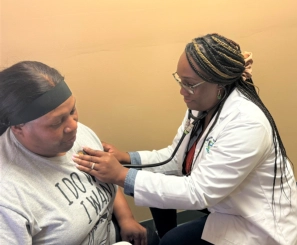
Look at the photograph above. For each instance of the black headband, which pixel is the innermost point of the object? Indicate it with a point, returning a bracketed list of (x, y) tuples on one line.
[(43, 104)]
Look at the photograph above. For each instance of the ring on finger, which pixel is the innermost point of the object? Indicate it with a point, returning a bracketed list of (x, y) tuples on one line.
[(93, 165)]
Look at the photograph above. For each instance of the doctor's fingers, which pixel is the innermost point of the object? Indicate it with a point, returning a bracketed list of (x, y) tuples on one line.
[(92, 162), (91, 155), (110, 148), (85, 160), (92, 152), (107, 147), (95, 168)]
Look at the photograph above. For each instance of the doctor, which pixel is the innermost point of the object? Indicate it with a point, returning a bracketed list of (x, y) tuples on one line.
[(233, 162)]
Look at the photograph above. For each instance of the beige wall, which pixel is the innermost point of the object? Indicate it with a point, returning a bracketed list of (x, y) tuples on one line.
[(118, 56)]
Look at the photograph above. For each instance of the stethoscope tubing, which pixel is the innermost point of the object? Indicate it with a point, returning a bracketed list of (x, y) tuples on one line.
[(187, 130)]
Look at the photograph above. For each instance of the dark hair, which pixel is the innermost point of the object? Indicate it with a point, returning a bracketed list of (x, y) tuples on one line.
[(22, 83), (223, 63)]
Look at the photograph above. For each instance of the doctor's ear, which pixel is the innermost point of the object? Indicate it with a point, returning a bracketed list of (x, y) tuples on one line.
[(221, 91)]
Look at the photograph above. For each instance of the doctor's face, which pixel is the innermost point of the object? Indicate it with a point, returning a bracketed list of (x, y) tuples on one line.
[(52, 134), (204, 96)]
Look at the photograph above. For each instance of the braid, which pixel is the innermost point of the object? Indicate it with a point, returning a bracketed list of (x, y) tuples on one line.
[(219, 57), (226, 46), (279, 150), (208, 63), (222, 63)]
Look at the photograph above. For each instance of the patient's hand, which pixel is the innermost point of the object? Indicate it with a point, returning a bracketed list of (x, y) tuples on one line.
[(121, 156), (132, 231)]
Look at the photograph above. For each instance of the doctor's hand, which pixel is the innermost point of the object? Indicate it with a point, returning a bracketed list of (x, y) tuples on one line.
[(104, 166), (121, 156)]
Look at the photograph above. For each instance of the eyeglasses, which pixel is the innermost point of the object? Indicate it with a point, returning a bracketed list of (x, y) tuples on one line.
[(189, 88)]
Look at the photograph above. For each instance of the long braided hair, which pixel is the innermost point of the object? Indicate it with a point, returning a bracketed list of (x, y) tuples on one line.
[(221, 59)]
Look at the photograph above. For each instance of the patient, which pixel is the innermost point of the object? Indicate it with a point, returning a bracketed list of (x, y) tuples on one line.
[(44, 198)]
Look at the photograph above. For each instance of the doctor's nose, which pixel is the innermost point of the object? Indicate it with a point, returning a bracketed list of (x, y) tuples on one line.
[(184, 91)]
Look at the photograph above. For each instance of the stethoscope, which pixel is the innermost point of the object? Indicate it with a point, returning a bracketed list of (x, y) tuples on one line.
[(188, 128)]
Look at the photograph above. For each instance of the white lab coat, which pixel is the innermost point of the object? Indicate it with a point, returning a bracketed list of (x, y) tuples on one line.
[(232, 177)]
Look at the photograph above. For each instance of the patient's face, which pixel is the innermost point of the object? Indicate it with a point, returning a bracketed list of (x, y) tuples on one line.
[(52, 134)]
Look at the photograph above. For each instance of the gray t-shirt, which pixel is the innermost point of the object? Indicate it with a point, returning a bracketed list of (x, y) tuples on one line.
[(48, 200)]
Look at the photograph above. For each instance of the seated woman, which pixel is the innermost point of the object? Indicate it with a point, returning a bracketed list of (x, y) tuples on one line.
[(44, 198)]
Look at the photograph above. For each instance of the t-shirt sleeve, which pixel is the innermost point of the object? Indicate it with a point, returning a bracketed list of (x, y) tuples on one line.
[(14, 228)]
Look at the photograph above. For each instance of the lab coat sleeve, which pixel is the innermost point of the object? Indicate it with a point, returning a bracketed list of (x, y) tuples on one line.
[(155, 156), (238, 149)]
